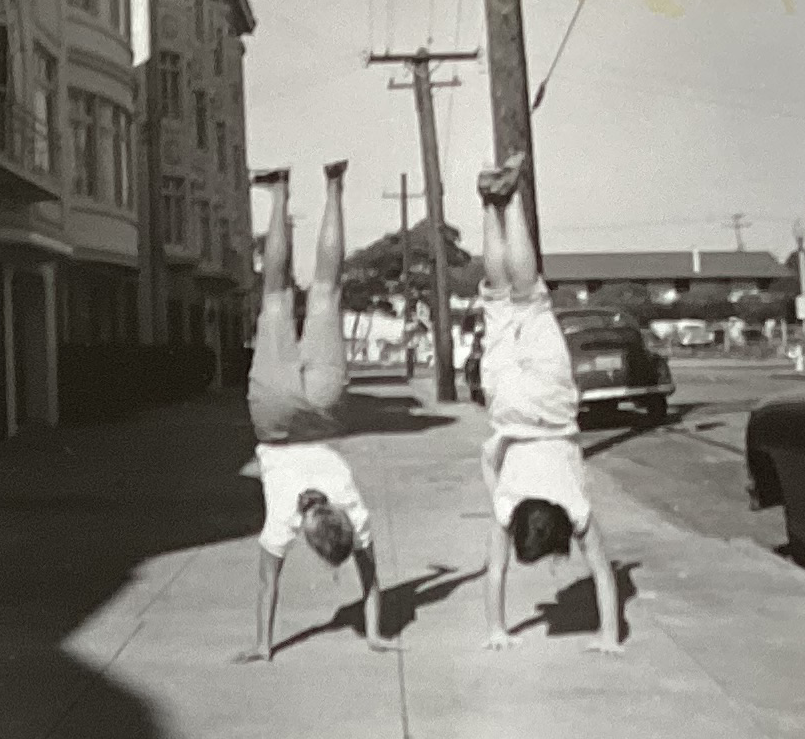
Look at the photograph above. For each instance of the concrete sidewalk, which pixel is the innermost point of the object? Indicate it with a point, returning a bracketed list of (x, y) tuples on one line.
[(132, 575)]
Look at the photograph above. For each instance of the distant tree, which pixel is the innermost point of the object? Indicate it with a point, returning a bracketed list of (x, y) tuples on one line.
[(759, 308), (708, 301), (631, 297), (380, 264)]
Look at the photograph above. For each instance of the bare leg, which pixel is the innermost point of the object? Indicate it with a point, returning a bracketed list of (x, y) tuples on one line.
[(495, 188), (323, 353), (275, 388), (277, 256), (494, 247), (521, 258), (330, 247)]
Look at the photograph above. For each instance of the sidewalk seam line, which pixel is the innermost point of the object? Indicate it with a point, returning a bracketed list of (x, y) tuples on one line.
[(188, 561), (400, 656)]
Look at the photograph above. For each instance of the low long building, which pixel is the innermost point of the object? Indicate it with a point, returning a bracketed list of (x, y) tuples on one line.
[(667, 274)]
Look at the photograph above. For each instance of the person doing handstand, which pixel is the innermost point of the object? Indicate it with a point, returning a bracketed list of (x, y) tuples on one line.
[(296, 388), (532, 463)]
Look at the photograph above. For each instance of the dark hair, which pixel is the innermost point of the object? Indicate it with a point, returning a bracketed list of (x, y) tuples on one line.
[(540, 528), (328, 531), (311, 498)]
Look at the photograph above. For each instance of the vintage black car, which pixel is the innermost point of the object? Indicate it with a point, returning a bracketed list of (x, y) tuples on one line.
[(775, 462), (612, 364)]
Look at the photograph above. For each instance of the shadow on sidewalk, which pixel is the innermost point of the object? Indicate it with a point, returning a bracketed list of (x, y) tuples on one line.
[(364, 413), (635, 425), (575, 609), (399, 605), (81, 508)]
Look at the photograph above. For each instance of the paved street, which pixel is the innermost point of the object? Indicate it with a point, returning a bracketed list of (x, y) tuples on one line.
[(691, 471), (129, 577)]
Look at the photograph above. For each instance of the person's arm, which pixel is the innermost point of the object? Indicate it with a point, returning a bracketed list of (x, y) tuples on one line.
[(270, 567), (592, 546), (367, 571), (497, 565)]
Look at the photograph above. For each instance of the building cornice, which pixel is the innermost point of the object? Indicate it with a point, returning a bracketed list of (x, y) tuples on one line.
[(103, 65), (37, 240)]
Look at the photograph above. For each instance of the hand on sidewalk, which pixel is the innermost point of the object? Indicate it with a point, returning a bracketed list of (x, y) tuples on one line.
[(500, 640), (604, 645), (256, 654)]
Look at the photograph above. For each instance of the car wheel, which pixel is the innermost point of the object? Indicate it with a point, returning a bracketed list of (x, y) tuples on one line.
[(656, 408)]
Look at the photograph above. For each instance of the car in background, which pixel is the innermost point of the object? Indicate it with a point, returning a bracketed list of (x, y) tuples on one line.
[(775, 463), (612, 364)]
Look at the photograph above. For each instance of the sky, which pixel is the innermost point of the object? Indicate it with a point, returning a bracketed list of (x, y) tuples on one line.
[(662, 119)]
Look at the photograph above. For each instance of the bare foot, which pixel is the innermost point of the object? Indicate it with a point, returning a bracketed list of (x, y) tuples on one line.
[(498, 185), (272, 176), (499, 641), (334, 170)]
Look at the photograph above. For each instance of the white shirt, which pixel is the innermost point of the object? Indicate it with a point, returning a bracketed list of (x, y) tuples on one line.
[(288, 470), (548, 469)]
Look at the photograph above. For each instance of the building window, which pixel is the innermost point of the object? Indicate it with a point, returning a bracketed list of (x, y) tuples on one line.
[(682, 286), (220, 139), (45, 93), (120, 17), (170, 67), (84, 142), (121, 122), (204, 229), (224, 236), (199, 7), (218, 56), (88, 6), (173, 211), (201, 120)]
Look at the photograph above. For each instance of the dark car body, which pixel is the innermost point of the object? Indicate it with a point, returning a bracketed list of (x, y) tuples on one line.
[(775, 461), (611, 362)]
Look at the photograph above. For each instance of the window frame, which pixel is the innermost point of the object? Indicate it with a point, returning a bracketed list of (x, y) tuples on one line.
[(170, 85), (85, 116), (173, 201), (202, 119)]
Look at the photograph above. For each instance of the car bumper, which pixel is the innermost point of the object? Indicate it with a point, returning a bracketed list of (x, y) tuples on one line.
[(625, 393)]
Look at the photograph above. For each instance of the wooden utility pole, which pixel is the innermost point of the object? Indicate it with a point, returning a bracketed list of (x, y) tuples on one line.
[(511, 111), (738, 224), (404, 197), (440, 304)]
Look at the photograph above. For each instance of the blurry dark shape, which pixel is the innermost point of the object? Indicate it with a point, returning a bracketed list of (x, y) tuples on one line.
[(107, 381), (775, 462)]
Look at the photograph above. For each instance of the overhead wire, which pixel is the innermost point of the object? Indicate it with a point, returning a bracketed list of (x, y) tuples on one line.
[(370, 24), (451, 97), (538, 98), (389, 24)]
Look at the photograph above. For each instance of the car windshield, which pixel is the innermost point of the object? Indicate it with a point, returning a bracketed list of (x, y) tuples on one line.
[(572, 323)]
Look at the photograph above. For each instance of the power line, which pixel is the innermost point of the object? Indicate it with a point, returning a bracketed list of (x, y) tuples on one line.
[(678, 95), (543, 86), (371, 23), (450, 99), (389, 23)]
